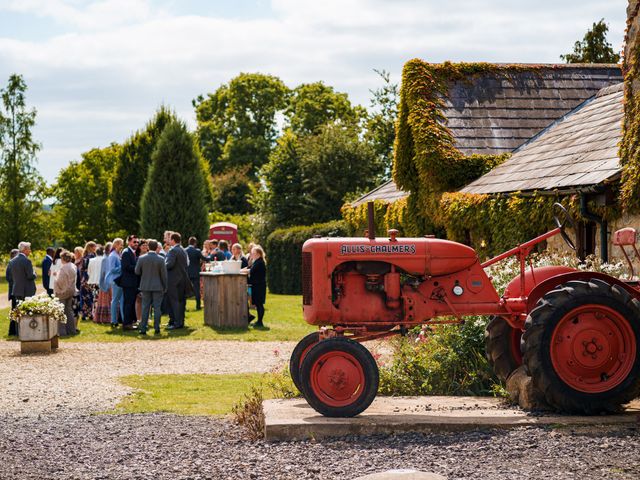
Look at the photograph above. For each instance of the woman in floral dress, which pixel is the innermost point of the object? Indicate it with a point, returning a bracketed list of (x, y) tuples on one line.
[(102, 310)]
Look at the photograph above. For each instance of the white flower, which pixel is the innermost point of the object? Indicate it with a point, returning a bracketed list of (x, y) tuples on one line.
[(41, 304)]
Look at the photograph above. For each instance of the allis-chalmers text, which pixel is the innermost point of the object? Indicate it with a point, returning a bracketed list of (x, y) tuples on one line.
[(377, 249)]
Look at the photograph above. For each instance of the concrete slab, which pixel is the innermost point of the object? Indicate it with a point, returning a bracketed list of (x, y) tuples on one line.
[(295, 420)]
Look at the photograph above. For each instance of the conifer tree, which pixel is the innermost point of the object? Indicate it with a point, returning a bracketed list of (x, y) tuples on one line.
[(131, 172), (177, 194)]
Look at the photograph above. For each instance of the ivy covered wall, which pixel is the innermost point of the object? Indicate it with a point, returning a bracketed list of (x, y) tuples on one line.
[(428, 164)]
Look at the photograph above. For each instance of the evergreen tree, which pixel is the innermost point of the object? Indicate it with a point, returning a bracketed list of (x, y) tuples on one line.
[(593, 48), (177, 193), (132, 169), (22, 189)]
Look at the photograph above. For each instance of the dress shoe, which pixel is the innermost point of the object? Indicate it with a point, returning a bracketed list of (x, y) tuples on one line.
[(156, 332), (129, 327), (143, 332), (258, 324)]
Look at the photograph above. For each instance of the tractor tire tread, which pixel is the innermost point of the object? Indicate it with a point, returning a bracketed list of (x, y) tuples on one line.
[(548, 311)]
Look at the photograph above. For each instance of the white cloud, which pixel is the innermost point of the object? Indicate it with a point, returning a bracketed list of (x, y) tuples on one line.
[(118, 60)]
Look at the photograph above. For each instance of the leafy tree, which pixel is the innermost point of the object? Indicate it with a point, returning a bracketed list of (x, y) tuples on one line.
[(176, 195), (83, 191), (380, 125), (131, 171), (308, 178), (237, 123), (231, 191), (22, 189), (593, 48), (283, 201), (313, 105)]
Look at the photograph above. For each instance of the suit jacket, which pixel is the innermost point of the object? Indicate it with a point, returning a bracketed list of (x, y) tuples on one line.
[(129, 279), (176, 266), (46, 266), (195, 257), (9, 278), (153, 273), (23, 276)]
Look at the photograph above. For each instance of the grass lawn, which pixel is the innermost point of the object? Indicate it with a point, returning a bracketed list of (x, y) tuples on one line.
[(189, 394), (283, 322)]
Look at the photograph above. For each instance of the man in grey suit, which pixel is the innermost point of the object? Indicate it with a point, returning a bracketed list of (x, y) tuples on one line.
[(177, 263), (153, 284), (21, 275)]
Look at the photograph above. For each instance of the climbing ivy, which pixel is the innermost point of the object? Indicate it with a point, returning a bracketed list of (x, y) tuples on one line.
[(629, 151), (429, 166)]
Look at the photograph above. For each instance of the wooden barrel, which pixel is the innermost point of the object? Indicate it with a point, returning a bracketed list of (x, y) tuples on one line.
[(225, 300)]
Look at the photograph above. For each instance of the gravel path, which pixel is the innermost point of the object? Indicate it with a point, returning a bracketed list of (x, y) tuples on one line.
[(82, 377), (162, 446)]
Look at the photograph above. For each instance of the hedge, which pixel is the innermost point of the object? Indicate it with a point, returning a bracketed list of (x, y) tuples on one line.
[(284, 254)]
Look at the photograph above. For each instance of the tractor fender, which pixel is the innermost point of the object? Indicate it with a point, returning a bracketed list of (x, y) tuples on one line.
[(533, 278), (550, 283)]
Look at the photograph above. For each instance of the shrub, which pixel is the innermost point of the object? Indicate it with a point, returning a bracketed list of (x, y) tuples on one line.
[(249, 413), (449, 360), (284, 254)]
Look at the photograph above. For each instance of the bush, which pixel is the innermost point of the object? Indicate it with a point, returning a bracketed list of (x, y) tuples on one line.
[(284, 254), (448, 360)]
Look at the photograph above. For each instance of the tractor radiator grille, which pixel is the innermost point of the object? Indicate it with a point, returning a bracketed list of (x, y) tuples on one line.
[(307, 279)]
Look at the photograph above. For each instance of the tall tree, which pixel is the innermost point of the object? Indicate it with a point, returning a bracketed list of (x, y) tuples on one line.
[(177, 194), (83, 191), (232, 191), (309, 177), (131, 171), (380, 125), (22, 189), (593, 48), (313, 105), (282, 202), (237, 123)]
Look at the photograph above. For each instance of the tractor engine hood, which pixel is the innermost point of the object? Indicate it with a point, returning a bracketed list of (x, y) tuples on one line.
[(416, 256)]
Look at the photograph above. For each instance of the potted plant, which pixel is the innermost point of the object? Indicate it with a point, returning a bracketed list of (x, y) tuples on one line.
[(38, 318)]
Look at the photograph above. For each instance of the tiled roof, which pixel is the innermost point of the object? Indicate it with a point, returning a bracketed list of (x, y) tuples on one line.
[(387, 192), (490, 114), (496, 114), (578, 150)]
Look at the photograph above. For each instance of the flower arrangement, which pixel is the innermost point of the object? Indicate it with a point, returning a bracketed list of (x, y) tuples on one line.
[(41, 304)]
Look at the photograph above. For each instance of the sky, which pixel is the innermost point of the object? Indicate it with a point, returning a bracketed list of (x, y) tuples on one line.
[(97, 70)]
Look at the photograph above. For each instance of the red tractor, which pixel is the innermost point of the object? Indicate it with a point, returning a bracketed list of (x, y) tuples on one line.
[(576, 332)]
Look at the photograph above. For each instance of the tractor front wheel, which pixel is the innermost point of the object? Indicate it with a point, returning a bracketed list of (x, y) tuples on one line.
[(502, 346), (298, 354), (580, 346), (339, 377)]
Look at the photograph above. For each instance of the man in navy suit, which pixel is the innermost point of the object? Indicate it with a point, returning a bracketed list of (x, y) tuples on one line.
[(129, 282), (46, 266), (195, 257)]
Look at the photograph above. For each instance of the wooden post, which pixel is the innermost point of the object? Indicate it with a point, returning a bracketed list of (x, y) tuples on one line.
[(225, 300)]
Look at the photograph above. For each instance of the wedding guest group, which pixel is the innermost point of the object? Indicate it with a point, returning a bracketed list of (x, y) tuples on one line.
[(124, 283)]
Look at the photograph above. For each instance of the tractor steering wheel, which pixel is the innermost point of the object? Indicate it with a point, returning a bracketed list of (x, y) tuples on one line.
[(566, 220)]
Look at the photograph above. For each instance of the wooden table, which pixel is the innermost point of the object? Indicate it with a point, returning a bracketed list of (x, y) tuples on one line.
[(225, 299)]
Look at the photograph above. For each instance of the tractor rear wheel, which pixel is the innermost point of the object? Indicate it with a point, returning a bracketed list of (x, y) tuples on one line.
[(298, 355), (339, 377), (502, 346), (581, 347)]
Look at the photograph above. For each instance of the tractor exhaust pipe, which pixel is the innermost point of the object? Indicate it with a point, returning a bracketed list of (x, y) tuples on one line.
[(371, 221)]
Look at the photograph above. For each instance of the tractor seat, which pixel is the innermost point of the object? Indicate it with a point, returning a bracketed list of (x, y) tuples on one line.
[(625, 237)]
